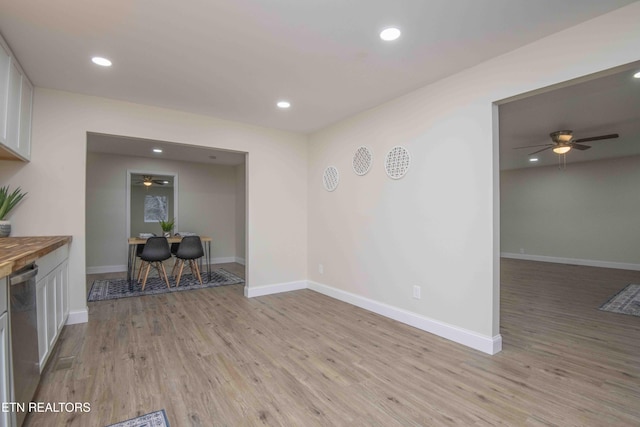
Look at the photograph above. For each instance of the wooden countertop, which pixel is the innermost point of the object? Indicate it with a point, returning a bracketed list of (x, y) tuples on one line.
[(16, 252)]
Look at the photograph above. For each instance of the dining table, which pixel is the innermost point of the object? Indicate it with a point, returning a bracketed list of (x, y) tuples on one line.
[(135, 241)]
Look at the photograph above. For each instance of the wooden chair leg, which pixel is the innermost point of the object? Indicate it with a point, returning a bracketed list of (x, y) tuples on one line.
[(195, 264), (175, 264), (140, 271), (146, 274), (180, 272), (164, 272)]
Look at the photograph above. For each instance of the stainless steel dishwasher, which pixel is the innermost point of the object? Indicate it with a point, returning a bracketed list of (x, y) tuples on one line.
[(24, 335)]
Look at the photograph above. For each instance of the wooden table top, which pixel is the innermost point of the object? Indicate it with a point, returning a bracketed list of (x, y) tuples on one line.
[(172, 239), (16, 252)]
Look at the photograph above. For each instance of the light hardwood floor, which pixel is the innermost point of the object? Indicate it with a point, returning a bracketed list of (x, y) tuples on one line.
[(212, 357)]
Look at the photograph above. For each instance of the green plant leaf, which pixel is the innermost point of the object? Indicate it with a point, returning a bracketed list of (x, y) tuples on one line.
[(8, 201)]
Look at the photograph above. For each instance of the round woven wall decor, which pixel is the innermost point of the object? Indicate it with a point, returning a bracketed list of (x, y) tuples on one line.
[(330, 178), (397, 162), (362, 160)]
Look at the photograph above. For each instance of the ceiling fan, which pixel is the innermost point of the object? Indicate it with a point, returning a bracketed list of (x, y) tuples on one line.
[(563, 142), (148, 181)]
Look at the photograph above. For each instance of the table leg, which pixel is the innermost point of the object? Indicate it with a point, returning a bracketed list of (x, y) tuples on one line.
[(130, 260), (209, 260)]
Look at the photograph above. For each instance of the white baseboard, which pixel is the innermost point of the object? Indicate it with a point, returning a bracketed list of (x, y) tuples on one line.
[(241, 260), (572, 261), (223, 260), (486, 344), (78, 316), (258, 291), (106, 269)]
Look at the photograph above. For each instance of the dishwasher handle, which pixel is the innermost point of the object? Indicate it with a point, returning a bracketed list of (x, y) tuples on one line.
[(24, 276)]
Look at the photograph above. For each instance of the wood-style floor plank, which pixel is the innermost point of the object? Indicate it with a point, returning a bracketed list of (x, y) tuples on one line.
[(212, 357)]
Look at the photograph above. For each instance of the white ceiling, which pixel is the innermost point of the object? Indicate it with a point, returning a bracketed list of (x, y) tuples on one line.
[(599, 106), (235, 58)]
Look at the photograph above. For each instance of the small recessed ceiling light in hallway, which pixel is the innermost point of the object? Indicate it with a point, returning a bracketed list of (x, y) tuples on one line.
[(283, 104), (533, 159), (637, 75), (390, 34), (98, 60), (157, 150)]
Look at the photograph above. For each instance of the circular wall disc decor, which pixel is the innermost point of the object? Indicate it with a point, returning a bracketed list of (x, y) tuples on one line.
[(330, 178), (362, 160), (397, 162)]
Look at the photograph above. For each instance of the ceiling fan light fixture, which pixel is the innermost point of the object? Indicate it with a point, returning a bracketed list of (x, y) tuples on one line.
[(561, 149), (147, 183)]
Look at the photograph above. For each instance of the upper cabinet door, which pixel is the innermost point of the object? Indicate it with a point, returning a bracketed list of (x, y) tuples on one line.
[(13, 107), (24, 143), (5, 63)]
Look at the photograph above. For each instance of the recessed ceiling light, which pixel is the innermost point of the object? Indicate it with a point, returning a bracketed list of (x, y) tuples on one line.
[(283, 104), (157, 150), (533, 159), (101, 61), (637, 75), (389, 34), (212, 157)]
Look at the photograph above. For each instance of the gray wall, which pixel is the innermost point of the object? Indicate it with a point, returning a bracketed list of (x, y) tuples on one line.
[(206, 205), (588, 211)]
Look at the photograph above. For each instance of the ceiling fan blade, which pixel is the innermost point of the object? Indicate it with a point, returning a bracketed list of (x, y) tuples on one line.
[(539, 151), (530, 146), (580, 146), (597, 138)]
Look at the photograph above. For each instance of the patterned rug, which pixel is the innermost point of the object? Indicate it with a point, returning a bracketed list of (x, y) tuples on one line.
[(154, 419), (120, 288), (627, 301)]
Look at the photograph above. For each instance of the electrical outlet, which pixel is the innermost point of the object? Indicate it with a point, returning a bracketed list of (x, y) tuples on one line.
[(416, 292), (320, 268), (521, 250)]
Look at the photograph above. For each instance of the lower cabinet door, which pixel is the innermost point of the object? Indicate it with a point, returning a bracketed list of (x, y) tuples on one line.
[(41, 302), (52, 327)]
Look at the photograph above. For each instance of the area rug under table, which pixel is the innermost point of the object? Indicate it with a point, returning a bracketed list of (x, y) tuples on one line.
[(154, 419), (121, 288), (627, 301)]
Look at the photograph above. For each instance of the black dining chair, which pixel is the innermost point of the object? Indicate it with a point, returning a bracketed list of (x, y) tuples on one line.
[(156, 250), (190, 249), (139, 249)]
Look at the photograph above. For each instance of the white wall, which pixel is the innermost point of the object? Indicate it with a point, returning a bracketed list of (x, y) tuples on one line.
[(588, 211), (206, 205), (55, 178), (438, 227)]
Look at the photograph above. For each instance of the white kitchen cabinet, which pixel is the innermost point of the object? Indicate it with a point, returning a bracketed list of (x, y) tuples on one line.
[(13, 107), (52, 325), (52, 293), (26, 101), (5, 64), (41, 303), (16, 99)]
